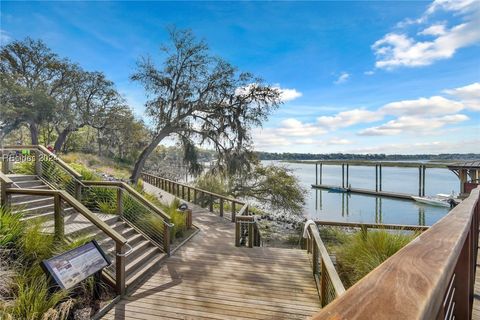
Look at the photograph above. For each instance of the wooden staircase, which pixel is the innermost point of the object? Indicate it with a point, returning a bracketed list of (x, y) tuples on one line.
[(141, 256)]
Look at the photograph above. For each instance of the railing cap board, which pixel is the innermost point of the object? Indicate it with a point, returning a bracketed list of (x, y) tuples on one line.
[(47, 152), (370, 225), (411, 283), (78, 206), (133, 192), (5, 178)]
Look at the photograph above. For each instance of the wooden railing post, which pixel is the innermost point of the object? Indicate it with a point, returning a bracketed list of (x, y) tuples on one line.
[(183, 192), (59, 228), (38, 163), (188, 194), (234, 213), (5, 198), (78, 190), (211, 203), (195, 196), (221, 207), (5, 163), (120, 278), (120, 201), (237, 233), (166, 238), (250, 233)]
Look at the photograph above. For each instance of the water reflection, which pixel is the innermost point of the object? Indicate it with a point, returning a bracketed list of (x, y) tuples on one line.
[(372, 209)]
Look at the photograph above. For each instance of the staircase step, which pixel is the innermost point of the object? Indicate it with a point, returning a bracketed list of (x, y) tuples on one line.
[(21, 177), (49, 215), (137, 275), (29, 183), (38, 201), (140, 260), (138, 248), (35, 210)]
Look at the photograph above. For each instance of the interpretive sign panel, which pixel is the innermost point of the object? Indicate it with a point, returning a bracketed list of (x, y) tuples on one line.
[(71, 267)]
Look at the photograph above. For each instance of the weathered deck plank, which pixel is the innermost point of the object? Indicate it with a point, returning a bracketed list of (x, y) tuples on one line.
[(209, 278)]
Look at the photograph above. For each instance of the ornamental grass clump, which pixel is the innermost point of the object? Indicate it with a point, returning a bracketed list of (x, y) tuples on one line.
[(362, 252)]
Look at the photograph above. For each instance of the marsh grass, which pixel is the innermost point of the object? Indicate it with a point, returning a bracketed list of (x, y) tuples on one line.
[(361, 252)]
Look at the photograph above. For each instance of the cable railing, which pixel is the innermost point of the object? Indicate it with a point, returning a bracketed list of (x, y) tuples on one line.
[(65, 223), (247, 232), (116, 197), (223, 205), (432, 277), (326, 277), (44, 164)]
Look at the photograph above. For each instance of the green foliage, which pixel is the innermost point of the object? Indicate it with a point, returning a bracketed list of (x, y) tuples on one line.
[(27, 167), (86, 173), (177, 217), (11, 227), (362, 252), (34, 244), (107, 207), (32, 297)]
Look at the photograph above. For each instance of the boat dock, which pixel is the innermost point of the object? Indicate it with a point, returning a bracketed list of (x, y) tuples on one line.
[(389, 194)]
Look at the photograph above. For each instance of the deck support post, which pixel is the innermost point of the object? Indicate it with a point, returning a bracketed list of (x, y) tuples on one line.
[(237, 234), (423, 179), (321, 172), (316, 173), (376, 177), (379, 177), (348, 167), (419, 181), (343, 175)]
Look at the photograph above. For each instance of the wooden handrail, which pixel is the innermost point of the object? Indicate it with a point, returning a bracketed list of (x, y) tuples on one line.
[(414, 283), (48, 153), (133, 192), (328, 269), (371, 225), (77, 206), (5, 179)]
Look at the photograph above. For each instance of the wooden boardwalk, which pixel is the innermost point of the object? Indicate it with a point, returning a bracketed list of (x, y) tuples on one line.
[(209, 278)]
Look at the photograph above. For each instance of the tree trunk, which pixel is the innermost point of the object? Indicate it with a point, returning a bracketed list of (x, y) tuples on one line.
[(62, 137), (33, 133), (140, 163)]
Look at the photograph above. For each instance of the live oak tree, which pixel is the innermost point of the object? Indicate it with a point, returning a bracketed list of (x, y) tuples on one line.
[(31, 77), (38, 88), (200, 99)]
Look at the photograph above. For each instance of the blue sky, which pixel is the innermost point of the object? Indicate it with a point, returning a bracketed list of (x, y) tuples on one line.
[(364, 77)]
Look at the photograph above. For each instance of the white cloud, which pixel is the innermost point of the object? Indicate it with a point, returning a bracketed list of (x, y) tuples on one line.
[(343, 77), (348, 118), (469, 95), (397, 49), (434, 30), (412, 124), (293, 127), (435, 105), (434, 147), (369, 72), (289, 94), (4, 37)]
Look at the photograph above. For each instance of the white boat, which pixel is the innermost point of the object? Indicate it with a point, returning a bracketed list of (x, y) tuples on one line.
[(433, 201), (446, 196)]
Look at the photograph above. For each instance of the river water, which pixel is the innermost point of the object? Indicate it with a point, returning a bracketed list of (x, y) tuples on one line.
[(324, 205)]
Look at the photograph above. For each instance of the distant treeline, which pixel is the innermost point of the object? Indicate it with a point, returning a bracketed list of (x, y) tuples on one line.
[(381, 156)]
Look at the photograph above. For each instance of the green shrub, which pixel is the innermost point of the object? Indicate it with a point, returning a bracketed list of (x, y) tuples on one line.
[(11, 227), (362, 252), (33, 299), (24, 168), (86, 173), (107, 207), (34, 244)]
